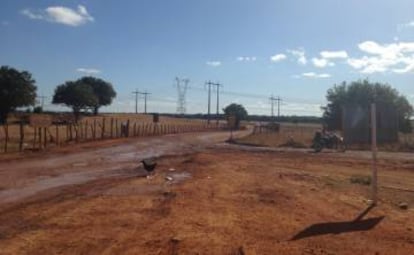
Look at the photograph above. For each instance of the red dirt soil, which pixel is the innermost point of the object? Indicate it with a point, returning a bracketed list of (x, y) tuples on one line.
[(225, 200)]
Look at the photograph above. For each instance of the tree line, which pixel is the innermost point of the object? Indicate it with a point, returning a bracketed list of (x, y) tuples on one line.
[(18, 89)]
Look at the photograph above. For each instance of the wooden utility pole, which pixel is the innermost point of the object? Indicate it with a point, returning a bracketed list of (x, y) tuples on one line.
[(136, 92), (272, 100), (217, 85), (145, 100), (374, 187)]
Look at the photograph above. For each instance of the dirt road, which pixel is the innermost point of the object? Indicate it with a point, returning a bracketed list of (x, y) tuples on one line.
[(222, 199), (24, 177)]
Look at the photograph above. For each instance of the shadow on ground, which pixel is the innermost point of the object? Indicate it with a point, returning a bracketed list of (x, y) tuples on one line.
[(358, 224)]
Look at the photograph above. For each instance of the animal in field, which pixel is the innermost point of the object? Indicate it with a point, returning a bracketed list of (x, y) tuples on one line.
[(149, 165)]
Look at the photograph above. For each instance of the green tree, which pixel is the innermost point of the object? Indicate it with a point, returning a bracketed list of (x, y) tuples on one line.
[(103, 91), (77, 95), (363, 93), (236, 110), (17, 89)]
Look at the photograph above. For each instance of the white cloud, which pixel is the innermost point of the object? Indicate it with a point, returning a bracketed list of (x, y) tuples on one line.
[(61, 14), (246, 59), (406, 25), (397, 57), (322, 62), (300, 55), (213, 63), (334, 54), (278, 57), (315, 75), (88, 70)]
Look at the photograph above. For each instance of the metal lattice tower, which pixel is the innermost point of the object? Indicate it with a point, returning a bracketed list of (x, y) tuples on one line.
[(182, 85)]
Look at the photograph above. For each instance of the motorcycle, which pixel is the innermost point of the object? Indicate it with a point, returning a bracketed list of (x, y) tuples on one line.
[(328, 140)]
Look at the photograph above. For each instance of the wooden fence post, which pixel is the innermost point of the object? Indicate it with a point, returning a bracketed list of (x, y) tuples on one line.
[(40, 138), (103, 128), (112, 127), (94, 130), (35, 137), (135, 129), (57, 135), (86, 130), (21, 136), (116, 128), (6, 132), (45, 136)]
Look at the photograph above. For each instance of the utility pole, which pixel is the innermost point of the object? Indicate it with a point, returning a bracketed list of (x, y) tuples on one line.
[(272, 100), (217, 85), (145, 100), (374, 189), (136, 92), (209, 83), (278, 106)]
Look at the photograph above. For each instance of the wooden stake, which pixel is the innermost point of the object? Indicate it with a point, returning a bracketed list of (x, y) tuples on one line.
[(374, 148), (6, 141), (21, 136)]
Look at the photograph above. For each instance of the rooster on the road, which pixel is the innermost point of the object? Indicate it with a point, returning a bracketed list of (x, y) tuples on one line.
[(149, 165)]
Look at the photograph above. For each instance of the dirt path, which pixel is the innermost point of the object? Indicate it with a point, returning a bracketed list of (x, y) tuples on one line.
[(223, 200), (24, 177)]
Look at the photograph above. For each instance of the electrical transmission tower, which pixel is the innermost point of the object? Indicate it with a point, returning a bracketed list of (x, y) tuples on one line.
[(42, 100), (182, 86)]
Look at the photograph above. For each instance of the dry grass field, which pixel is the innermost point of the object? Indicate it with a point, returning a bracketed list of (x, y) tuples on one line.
[(301, 135)]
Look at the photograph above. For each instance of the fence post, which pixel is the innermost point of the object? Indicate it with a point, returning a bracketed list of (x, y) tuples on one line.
[(57, 135), (45, 136), (94, 129), (40, 138), (103, 129), (35, 137), (21, 136), (116, 128), (112, 127), (6, 141)]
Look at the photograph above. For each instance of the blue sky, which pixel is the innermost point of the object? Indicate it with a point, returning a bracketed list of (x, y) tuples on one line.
[(292, 49)]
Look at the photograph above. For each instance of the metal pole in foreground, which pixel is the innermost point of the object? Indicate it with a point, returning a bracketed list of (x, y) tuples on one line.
[(374, 190)]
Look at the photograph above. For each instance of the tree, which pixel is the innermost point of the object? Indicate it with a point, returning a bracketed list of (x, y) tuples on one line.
[(75, 94), (236, 110), (363, 93), (103, 91), (17, 89)]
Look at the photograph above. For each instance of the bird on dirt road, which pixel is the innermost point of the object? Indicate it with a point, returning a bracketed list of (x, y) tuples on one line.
[(149, 165)]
